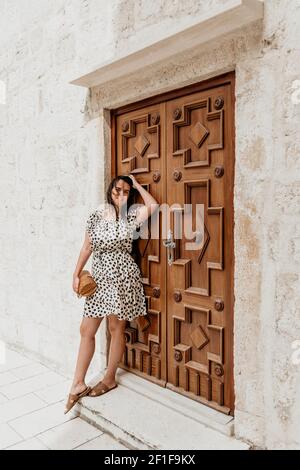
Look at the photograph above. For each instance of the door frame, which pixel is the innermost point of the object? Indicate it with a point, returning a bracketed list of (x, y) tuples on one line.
[(220, 80)]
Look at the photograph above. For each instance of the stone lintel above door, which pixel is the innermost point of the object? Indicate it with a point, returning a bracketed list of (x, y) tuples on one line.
[(210, 25)]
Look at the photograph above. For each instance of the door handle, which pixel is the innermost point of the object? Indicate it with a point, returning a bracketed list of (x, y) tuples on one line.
[(170, 245)]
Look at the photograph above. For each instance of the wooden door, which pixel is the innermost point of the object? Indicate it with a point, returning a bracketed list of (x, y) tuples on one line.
[(180, 146)]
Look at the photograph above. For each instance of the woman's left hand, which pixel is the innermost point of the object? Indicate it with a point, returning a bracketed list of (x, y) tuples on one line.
[(133, 180)]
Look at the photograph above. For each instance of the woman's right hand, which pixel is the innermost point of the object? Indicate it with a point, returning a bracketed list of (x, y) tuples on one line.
[(75, 284)]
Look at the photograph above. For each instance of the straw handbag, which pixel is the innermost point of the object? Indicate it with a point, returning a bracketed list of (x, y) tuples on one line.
[(87, 285)]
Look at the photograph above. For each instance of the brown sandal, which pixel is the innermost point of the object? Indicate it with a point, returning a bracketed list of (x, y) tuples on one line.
[(99, 389), (74, 397)]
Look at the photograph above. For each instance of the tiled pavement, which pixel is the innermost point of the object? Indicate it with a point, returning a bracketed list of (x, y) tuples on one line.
[(32, 400)]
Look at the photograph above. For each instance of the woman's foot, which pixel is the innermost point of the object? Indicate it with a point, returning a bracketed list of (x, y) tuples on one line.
[(103, 386), (109, 382), (77, 391), (78, 388)]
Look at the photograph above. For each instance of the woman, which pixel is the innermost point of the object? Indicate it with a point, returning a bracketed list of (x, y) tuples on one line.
[(119, 295)]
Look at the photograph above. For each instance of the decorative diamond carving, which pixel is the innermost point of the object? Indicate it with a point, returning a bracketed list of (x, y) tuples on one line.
[(137, 141), (199, 337), (218, 240), (141, 144), (198, 134)]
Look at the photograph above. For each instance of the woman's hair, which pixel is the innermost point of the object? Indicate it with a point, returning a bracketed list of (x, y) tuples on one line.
[(113, 184), (130, 201)]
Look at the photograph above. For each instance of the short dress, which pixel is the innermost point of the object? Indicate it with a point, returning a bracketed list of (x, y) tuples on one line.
[(119, 282)]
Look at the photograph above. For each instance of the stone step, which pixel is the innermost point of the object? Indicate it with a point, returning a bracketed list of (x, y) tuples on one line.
[(143, 415)]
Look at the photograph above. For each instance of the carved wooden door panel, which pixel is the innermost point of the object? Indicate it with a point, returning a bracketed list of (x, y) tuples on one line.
[(199, 296), (181, 149), (140, 150)]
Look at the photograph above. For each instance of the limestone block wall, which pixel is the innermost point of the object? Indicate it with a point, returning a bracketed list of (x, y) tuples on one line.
[(55, 147)]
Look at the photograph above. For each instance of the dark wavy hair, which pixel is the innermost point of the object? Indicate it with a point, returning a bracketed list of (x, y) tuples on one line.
[(130, 201), (132, 192)]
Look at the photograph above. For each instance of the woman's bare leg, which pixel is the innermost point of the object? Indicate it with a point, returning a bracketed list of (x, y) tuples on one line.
[(88, 330), (116, 349)]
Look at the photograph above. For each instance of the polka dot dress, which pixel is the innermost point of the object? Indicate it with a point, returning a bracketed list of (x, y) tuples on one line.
[(119, 285)]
